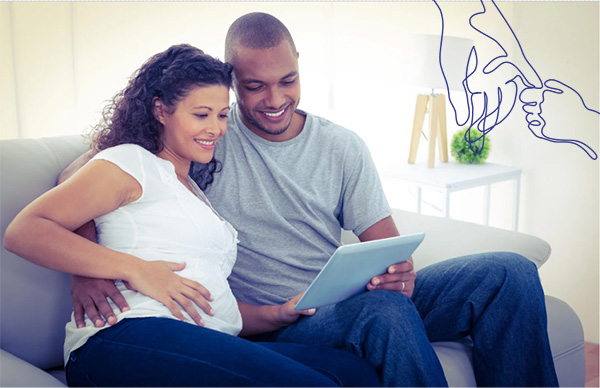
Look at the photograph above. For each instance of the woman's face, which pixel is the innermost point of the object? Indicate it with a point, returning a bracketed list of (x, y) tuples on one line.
[(192, 130)]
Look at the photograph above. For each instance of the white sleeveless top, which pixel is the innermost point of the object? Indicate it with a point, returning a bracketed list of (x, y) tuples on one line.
[(168, 223)]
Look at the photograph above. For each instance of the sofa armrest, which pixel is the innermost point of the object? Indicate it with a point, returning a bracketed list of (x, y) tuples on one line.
[(567, 343), (15, 372), (446, 238)]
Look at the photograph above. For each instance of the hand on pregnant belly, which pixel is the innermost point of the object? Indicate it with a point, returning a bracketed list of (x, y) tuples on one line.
[(157, 280)]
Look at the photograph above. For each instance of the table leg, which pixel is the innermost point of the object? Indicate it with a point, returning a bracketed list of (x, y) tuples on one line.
[(516, 198), (486, 205), (446, 208)]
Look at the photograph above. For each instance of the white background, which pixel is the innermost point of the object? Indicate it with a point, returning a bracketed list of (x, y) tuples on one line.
[(59, 61)]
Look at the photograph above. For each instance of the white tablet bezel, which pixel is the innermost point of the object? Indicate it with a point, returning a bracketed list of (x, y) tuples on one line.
[(351, 268)]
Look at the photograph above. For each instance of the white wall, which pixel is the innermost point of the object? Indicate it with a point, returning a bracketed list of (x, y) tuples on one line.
[(59, 61)]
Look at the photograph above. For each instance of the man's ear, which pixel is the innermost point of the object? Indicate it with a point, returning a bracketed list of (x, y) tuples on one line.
[(234, 85), (158, 110)]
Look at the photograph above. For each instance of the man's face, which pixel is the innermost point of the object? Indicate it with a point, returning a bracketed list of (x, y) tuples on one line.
[(267, 87)]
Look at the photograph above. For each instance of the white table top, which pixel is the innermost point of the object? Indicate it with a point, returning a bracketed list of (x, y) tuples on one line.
[(454, 176)]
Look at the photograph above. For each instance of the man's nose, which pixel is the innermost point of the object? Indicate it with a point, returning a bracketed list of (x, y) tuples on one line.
[(275, 98)]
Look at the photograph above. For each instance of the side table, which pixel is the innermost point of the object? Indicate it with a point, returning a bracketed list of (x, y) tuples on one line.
[(450, 177)]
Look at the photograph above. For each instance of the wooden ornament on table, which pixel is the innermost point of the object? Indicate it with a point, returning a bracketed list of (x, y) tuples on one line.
[(435, 106)]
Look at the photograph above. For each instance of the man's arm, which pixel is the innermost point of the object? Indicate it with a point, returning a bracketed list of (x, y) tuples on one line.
[(75, 166), (399, 277), (89, 295)]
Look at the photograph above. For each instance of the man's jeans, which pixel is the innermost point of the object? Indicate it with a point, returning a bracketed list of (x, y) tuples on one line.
[(495, 298), (161, 352)]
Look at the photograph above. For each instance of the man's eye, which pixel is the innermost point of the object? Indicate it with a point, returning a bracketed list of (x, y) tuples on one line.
[(253, 88)]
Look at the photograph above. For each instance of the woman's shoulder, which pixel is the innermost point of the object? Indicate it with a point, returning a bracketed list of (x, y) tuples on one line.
[(125, 149), (131, 158), (131, 152)]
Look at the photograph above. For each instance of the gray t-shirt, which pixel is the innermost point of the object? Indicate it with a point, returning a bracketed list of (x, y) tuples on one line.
[(288, 200)]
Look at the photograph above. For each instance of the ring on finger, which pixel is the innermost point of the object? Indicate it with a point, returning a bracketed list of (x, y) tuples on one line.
[(403, 286)]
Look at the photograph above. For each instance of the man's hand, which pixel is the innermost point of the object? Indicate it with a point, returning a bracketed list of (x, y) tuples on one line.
[(399, 277), (287, 314), (264, 319), (90, 296)]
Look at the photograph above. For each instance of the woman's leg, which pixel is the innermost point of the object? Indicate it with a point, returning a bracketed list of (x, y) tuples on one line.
[(167, 352), (344, 368), (383, 327)]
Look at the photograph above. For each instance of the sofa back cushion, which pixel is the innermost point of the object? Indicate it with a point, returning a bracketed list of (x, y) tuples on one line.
[(36, 302)]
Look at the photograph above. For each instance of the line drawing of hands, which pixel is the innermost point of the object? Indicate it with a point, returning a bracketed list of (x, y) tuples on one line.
[(491, 85), (534, 98)]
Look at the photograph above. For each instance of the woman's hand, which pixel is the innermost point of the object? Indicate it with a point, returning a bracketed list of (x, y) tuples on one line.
[(157, 280)]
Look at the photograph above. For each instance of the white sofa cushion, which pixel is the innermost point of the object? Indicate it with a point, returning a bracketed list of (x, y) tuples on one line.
[(446, 238)]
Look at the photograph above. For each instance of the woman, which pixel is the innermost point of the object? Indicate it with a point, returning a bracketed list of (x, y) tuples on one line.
[(169, 251)]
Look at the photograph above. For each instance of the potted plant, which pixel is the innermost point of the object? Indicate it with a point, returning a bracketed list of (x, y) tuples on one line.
[(470, 146)]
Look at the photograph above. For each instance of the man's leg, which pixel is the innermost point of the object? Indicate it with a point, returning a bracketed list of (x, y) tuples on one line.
[(380, 326), (497, 299), (167, 352)]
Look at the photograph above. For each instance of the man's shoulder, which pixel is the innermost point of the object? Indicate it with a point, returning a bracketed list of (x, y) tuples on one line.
[(327, 130)]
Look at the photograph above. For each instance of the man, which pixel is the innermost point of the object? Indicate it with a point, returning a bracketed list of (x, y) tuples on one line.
[(290, 180)]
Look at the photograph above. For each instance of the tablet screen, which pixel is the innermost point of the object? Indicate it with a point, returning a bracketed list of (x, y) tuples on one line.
[(352, 266)]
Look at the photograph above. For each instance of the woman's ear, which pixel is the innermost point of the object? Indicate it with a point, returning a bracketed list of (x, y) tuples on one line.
[(158, 110)]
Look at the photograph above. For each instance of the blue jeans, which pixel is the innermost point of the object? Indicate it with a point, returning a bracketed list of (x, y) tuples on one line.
[(167, 352), (495, 298)]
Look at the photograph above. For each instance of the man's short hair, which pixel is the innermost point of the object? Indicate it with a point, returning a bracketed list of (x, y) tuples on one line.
[(255, 30)]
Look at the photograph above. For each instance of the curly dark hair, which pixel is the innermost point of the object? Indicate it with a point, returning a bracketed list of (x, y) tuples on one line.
[(170, 76)]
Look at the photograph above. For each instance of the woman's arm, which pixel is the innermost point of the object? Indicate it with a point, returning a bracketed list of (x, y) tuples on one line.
[(90, 295), (42, 233), (264, 319)]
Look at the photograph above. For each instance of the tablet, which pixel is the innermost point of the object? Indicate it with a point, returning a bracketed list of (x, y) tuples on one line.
[(352, 266)]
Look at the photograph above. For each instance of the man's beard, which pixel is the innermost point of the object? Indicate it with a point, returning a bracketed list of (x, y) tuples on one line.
[(256, 124)]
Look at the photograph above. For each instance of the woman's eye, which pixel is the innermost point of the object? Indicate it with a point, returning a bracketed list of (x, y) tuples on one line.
[(223, 116), (201, 115)]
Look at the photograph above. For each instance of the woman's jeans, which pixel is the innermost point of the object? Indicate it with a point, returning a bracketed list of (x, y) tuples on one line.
[(166, 352), (495, 298)]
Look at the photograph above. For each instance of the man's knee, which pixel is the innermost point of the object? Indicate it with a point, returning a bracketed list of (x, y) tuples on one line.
[(382, 310), (513, 266)]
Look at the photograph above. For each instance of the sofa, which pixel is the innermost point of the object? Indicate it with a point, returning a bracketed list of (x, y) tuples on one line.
[(36, 304)]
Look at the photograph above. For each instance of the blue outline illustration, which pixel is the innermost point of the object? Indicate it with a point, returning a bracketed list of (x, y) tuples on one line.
[(487, 109)]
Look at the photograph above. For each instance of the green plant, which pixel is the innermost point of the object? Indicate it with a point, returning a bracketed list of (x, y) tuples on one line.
[(470, 147)]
